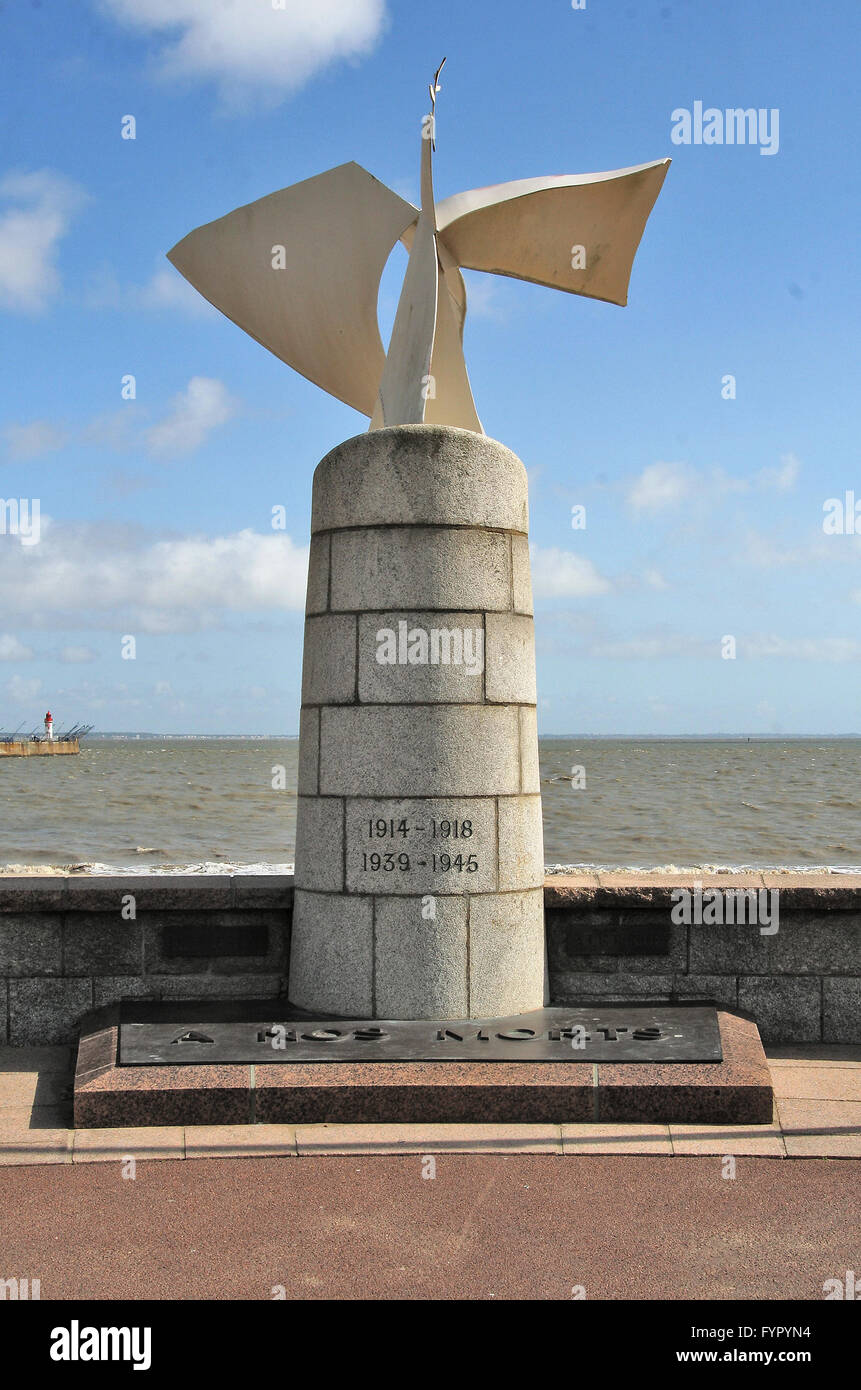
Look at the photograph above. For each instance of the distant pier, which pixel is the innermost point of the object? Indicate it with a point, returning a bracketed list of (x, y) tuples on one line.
[(30, 748)]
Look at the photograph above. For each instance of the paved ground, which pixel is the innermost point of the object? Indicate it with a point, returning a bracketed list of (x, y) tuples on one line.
[(817, 1115), (484, 1227), (510, 1212)]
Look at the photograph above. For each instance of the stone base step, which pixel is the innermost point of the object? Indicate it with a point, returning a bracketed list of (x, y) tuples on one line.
[(736, 1090)]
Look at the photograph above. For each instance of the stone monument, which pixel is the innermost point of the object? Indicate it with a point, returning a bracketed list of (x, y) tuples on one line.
[(419, 855), (417, 979)]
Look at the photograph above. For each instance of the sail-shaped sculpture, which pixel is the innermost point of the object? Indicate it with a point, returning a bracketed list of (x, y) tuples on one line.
[(418, 887), (300, 271)]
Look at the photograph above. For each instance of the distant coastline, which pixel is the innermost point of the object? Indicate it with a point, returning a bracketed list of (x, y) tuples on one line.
[(569, 738)]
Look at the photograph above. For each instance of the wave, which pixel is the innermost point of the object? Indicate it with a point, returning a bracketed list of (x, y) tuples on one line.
[(686, 869), (97, 868)]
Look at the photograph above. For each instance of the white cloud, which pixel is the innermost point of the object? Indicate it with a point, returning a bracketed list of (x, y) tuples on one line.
[(253, 48), (652, 647), (165, 289), (113, 429), (103, 577), (201, 407), (662, 643), (22, 691), (562, 574), (717, 484), (77, 656), (660, 485), (33, 439), (768, 551), (782, 478), (663, 485), (12, 649), (655, 579), (41, 207), (482, 296), (195, 412), (818, 649)]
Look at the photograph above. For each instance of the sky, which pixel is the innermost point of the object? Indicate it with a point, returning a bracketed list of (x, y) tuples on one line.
[(709, 428)]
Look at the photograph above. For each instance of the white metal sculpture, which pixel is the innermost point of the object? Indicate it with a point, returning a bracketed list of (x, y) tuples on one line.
[(300, 271)]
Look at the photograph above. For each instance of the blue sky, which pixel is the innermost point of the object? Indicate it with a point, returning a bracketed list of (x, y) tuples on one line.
[(704, 515)]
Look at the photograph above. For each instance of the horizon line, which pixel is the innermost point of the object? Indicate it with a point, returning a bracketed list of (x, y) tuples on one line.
[(719, 734)]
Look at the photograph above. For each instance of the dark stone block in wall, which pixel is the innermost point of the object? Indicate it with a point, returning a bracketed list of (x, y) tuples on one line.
[(196, 939), (787, 1008), (98, 944), (842, 1010), (45, 1012), (804, 944), (631, 938), (190, 943), (30, 945)]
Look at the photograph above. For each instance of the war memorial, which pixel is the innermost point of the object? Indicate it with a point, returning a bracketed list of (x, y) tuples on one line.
[(416, 985)]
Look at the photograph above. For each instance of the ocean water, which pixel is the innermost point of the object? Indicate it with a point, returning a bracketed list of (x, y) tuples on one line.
[(209, 804)]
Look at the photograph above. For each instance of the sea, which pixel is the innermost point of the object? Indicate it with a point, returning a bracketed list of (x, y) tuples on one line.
[(228, 805)]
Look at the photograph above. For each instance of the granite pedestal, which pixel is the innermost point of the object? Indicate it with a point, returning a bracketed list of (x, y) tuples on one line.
[(419, 847)]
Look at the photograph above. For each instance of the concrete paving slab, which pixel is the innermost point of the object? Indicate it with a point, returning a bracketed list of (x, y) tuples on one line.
[(761, 1141), (22, 1145), (239, 1141), (19, 1088), (821, 1128), (113, 1145), (41, 1059), (34, 1117), (442, 1138), (813, 1054), (817, 1083), (616, 1139)]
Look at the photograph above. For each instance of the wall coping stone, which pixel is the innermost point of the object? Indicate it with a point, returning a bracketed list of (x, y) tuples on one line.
[(53, 892), (159, 892), (798, 891)]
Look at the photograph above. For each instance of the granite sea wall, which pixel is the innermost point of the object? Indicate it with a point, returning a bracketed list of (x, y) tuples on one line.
[(69, 943)]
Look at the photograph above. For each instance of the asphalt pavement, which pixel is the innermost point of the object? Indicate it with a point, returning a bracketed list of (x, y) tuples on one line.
[(480, 1227)]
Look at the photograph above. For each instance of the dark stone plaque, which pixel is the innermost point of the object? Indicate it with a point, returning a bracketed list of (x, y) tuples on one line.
[(612, 1033), (191, 939), (618, 939)]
